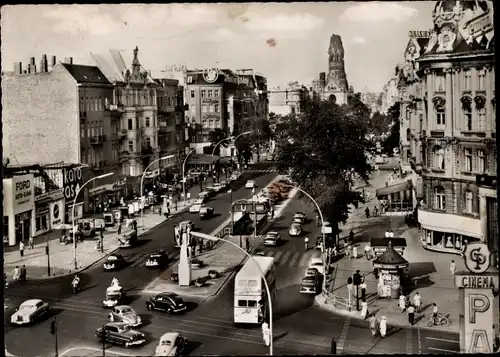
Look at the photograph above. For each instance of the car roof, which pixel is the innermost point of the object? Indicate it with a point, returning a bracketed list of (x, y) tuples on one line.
[(169, 336), (295, 224), (122, 307), (31, 302), (316, 260), (312, 269), (158, 253), (168, 294), (117, 256)]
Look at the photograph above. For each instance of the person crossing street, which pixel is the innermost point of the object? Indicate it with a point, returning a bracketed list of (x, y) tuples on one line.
[(266, 334)]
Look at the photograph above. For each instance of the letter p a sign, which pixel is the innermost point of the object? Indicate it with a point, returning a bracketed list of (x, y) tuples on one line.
[(478, 303)]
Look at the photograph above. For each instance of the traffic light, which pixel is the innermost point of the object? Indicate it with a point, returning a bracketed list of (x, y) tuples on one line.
[(47, 250), (357, 278), (53, 327)]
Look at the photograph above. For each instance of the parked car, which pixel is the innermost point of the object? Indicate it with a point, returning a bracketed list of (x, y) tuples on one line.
[(210, 191), (171, 344), (206, 212), (119, 333), (311, 272), (195, 208), (295, 229), (157, 259), (319, 242), (310, 284), (126, 314), (272, 239), (114, 262), (167, 301), (128, 238), (250, 184), (301, 214), (29, 311), (217, 187), (318, 264), (202, 196), (115, 295)]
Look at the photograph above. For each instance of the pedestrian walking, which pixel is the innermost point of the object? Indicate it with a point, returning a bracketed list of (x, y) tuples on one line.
[(266, 334), (16, 273), (119, 229), (417, 301), (247, 244), (23, 273), (102, 232), (402, 303), (31, 243), (375, 211), (21, 248), (367, 252), (453, 267), (333, 347), (348, 251), (387, 234), (364, 309), (354, 252), (362, 286), (373, 326), (383, 326), (411, 315), (367, 212), (351, 236)]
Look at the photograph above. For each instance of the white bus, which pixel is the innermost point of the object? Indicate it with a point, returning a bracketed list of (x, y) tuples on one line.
[(250, 297)]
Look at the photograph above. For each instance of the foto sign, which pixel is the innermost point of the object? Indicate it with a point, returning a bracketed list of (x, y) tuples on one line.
[(72, 180)]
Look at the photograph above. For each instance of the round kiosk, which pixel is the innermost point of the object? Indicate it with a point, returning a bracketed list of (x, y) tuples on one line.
[(392, 271)]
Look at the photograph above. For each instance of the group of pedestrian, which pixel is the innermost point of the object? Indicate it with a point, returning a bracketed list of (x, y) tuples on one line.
[(368, 252), (351, 250), (414, 308), (380, 326), (19, 274)]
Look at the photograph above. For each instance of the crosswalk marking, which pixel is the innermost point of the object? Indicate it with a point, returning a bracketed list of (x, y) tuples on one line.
[(277, 256), (260, 170), (303, 260), (285, 258), (296, 256)]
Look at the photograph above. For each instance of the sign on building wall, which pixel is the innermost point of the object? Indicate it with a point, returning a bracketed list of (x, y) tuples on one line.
[(419, 34), (72, 180), (19, 194)]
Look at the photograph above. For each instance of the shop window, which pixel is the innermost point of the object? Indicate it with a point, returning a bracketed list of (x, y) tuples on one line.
[(468, 202), (41, 223), (440, 199), (439, 158), (481, 161), (468, 160)]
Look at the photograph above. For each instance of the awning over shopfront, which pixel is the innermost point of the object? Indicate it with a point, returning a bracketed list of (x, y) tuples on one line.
[(202, 159), (400, 187)]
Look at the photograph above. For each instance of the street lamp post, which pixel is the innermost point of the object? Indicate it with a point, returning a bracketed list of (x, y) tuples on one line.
[(269, 300), (220, 141), (73, 211), (184, 176), (142, 182)]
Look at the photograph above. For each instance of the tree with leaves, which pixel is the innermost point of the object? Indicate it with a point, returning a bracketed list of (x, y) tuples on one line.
[(324, 151), (392, 141), (260, 134), (217, 135)]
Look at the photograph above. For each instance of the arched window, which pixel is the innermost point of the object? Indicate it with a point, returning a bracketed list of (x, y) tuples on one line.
[(439, 198), (438, 158)]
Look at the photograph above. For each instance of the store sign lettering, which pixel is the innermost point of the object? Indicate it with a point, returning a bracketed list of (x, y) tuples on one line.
[(23, 192), (419, 34), (72, 178)]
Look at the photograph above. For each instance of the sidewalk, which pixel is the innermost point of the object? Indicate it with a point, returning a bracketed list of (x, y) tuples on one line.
[(224, 258), (62, 256), (429, 271)]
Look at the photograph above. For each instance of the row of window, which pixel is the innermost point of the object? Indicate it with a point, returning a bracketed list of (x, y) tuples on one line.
[(210, 123), (208, 93), (90, 104), (91, 156), (137, 97), (467, 116), (440, 81), (91, 130), (166, 101), (472, 163), (149, 142), (147, 123), (210, 108), (440, 200)]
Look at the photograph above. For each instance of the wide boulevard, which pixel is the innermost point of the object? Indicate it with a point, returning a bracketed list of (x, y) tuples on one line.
[(299, 326)]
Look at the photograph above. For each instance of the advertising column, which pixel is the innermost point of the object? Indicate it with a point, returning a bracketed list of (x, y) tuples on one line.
[(19, 204), (476, 296)]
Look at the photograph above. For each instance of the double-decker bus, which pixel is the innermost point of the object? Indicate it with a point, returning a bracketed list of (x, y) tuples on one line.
[(250, 295)]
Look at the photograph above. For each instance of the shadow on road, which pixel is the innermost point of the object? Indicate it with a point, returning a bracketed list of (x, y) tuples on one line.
[(290, 300)]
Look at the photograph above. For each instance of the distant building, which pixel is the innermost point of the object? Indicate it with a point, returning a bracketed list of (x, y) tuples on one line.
[(287, 100), (390, 95)]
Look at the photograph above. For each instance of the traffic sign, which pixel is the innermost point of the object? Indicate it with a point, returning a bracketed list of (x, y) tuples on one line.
[(72, 179)]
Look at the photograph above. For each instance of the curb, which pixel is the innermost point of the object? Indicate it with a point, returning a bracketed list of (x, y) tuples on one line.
[(355, 315), (109, 253)]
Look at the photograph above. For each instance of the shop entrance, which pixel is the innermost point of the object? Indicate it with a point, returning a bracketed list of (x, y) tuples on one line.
[(23, 226)]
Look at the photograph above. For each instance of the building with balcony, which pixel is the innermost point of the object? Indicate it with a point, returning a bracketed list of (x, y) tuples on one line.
[(287, 100), (60, 113), (448, 133)]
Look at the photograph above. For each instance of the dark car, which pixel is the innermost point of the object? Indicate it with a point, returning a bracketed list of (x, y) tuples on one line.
[(114, 262), (168, 302), (206, 212), (210, 192), (157, 259), (120, 333)]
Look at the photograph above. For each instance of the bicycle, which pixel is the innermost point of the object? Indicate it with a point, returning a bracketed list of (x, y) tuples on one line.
[(440, 320)]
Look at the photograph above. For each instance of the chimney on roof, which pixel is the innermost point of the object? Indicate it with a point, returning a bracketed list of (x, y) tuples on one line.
[(44, 65), (53, 62), (68, 60), (32, 69), (18, 68), (32, 61)]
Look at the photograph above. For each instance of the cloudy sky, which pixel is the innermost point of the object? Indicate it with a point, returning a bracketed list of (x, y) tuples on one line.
[(285, 42)]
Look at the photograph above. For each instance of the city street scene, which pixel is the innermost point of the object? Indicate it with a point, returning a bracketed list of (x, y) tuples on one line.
[(250, 179)]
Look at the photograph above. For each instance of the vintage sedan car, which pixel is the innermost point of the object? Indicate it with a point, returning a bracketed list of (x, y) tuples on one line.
[(311, 272), (167, 301), (295, 229), (120, 333), (217, 187), (250, 184), (158, 259), (114, 262), (310, 284), (126, 314), (115, 295), (171, 344), (210, 191), (29, 311), (195, 208), (272, 239), (319, 242), (202, 197), (299, 218), (206, 212), (235, 176), (318, 264)]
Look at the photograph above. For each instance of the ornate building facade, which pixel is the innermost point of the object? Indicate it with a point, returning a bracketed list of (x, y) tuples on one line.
[(448, 130), (287, 100)]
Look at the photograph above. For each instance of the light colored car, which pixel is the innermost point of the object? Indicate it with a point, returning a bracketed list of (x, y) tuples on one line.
[(295, 229), (250, 184), (126, 314), (29, 311), (235, 176), (318, 264), (217, 187), (309, 284), (171, 344), (113, 262), (299, 218), (202, 197), (195, 208), (269, 157), (272, 239), (114, 296), (224, 183), (311, 272)]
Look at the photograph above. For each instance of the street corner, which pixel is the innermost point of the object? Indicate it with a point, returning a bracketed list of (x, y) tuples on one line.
[(321, 302), (90, 352)]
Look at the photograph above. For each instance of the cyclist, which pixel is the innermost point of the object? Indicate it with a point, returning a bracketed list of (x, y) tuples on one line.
[(306, 241)]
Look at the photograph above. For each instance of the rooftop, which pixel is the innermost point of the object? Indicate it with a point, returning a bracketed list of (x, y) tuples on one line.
[(86, 74)]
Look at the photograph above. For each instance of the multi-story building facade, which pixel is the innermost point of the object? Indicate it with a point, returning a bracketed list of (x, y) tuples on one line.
[(390, 95), (448, 135), (288, 100)]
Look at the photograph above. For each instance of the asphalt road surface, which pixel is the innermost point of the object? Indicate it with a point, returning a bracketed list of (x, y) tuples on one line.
[(79, 315), (299, 327)]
